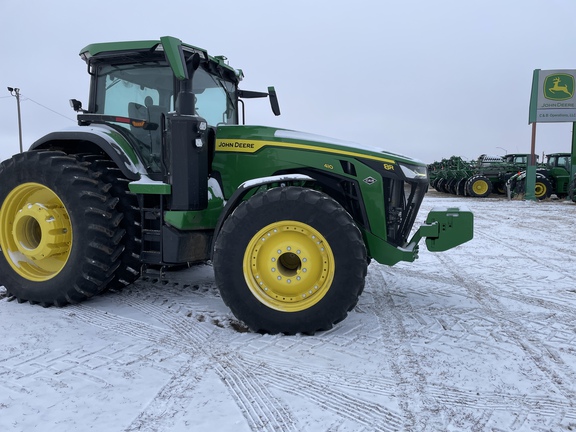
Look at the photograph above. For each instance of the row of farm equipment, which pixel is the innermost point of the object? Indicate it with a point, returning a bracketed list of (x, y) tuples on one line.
[(502, 175)]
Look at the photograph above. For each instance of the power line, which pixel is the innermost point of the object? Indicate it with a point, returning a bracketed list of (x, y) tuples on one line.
[(45, 107)]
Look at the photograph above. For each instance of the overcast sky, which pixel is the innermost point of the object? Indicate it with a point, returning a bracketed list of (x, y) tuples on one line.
[(428, 79)]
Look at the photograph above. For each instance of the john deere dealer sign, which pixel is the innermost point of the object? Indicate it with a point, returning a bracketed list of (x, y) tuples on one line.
[(553, 98)]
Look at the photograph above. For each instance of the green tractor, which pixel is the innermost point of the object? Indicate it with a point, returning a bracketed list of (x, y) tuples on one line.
[(161, 173), (552, 177), (478, 178), (494, 172)]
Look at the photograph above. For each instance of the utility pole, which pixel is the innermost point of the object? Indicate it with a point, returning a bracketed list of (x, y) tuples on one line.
[(16, 92)]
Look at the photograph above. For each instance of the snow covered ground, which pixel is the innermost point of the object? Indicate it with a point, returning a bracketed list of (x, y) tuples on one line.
[(482, 337)]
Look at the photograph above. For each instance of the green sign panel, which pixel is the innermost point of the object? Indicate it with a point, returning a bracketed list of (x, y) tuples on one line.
[(552, 98)]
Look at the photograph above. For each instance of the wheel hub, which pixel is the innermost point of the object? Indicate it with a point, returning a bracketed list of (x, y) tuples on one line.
[(35, 232), (289, 266), (41, 232), (480, 187)]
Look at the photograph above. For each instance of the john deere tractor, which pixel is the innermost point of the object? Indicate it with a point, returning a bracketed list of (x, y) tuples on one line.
[(478, 178), (161, 172), (552, 177)]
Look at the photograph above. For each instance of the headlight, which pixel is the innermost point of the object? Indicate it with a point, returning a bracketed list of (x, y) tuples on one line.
[(414, 171)]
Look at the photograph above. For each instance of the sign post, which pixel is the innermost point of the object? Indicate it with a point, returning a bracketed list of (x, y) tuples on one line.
[(552, 100), (530, 192), (572, 184)]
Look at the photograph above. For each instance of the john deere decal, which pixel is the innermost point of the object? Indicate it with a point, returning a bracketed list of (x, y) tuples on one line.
[(559, 87)]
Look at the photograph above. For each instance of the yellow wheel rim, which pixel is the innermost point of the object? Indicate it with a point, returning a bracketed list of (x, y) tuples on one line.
[(35, 232), (480, 187), (288, 266), (539, 190)]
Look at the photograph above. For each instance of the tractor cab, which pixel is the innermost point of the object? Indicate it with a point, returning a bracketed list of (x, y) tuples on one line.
[(559, 160), (520, 159), (137, 86)]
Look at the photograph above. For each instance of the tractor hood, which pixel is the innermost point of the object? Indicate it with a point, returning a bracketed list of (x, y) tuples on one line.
[(250, 139), (341, 145)]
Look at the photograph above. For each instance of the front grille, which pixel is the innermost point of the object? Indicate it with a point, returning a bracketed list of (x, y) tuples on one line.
[(402, 202)]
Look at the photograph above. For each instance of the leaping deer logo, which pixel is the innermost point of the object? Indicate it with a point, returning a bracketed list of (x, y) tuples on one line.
[(559, 88)]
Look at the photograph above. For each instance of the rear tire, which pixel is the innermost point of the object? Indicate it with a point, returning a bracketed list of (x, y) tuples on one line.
[(117, 185), (290, 260), (59, 231), (479, 186)]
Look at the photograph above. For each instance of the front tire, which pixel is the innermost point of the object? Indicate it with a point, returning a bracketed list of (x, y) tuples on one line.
[(290, 260), (542, 188), (59, 231)]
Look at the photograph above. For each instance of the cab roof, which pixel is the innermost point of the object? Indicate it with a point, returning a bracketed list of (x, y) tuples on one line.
[(171, 46)]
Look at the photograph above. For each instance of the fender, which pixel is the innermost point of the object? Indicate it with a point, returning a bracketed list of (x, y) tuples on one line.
[(522, 175), (244, 189), (104, 138)]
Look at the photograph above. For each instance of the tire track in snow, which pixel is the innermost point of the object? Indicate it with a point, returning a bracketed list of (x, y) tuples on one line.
[(314, 388), (500, 401), (544, 303), (420, 276), (187, 336), (492, 402), (96, 360), (441, 398), (347, 381), (545, 263), (559, 374), (528, 299), (194, 331), (411, 378), (172, 399), (119, 324), (255, 400), (261, 409)]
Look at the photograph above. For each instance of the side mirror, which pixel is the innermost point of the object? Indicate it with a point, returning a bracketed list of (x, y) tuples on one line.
[(274, 100), (247, 94), (76, 105)]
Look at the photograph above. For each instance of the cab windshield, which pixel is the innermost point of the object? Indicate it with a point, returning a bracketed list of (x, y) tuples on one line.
[(145, 91), (563, 161)]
